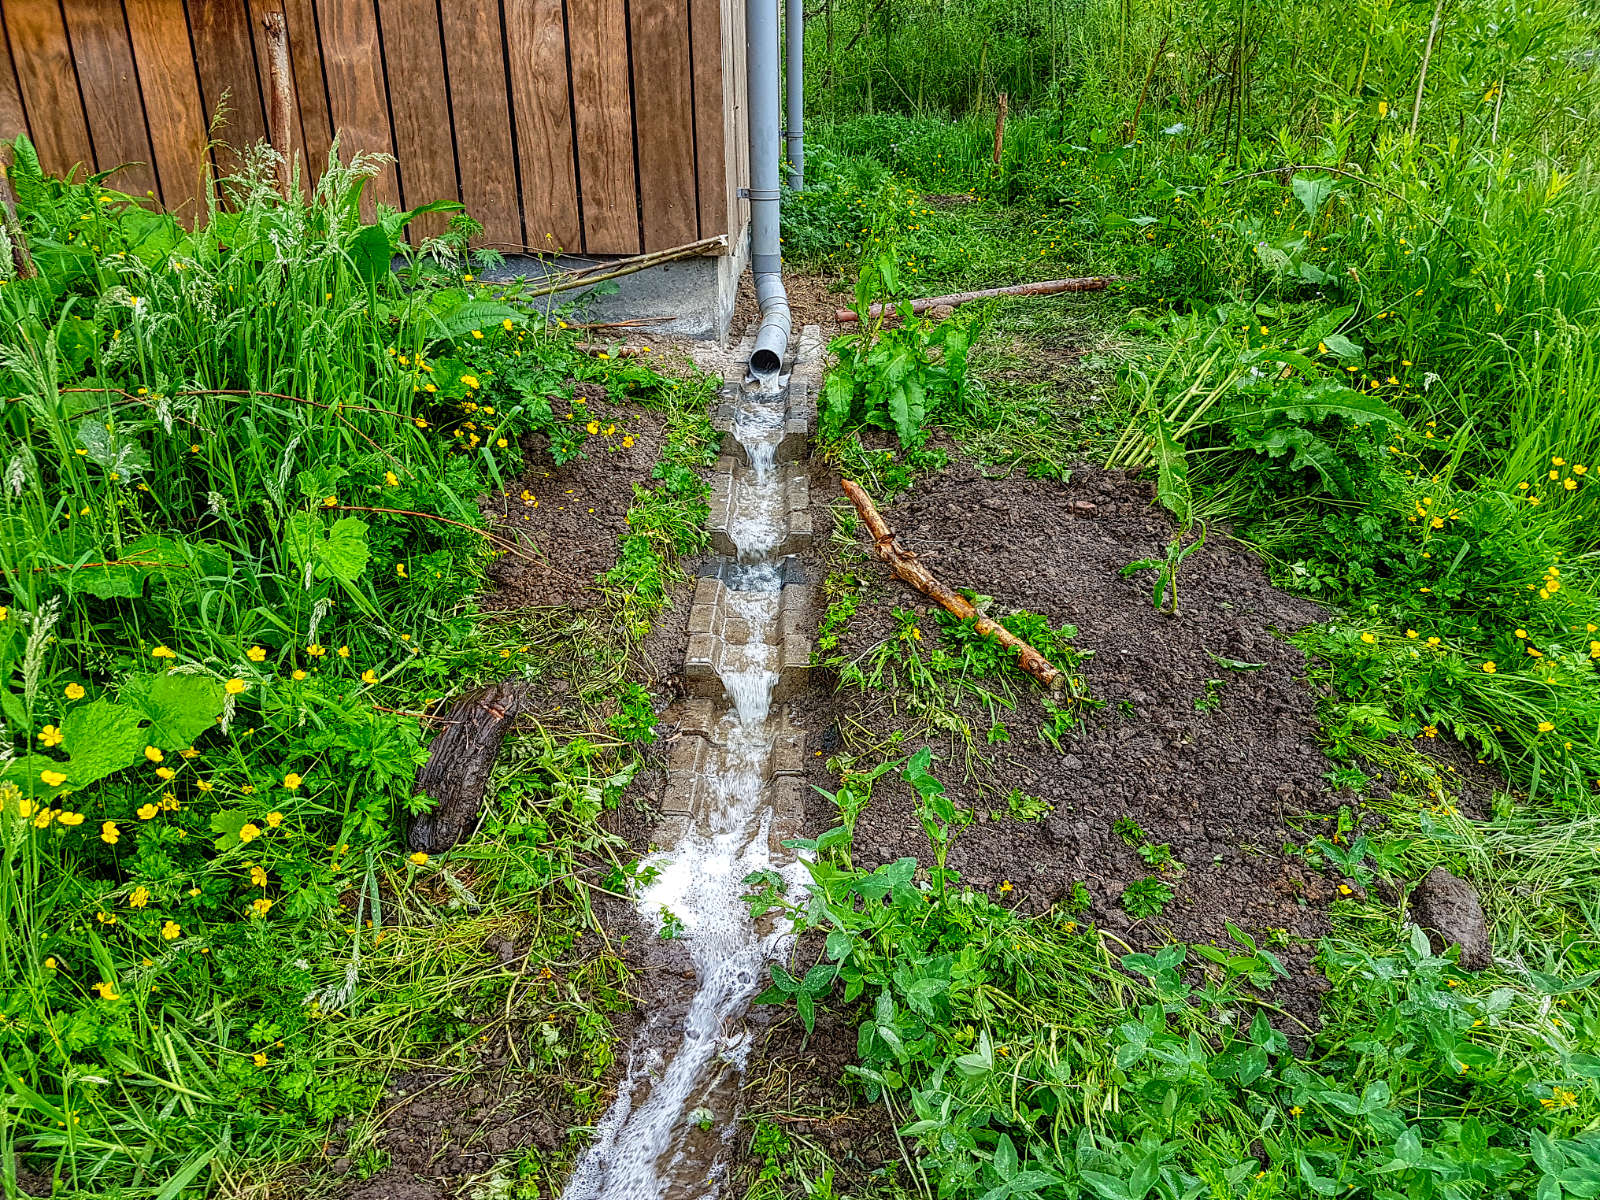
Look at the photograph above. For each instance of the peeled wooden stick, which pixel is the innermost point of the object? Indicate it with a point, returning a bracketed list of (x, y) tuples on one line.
[(905, 566), (1090, 283)]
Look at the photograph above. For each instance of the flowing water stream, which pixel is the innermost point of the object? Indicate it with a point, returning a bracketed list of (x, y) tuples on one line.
[(665, 1133)]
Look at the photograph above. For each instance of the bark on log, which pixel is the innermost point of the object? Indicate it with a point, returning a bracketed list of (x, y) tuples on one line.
[(460, 759), (1090, 283), (905, 566)]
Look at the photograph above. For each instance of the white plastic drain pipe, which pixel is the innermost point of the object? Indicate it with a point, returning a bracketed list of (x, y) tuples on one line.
[(766, 260)]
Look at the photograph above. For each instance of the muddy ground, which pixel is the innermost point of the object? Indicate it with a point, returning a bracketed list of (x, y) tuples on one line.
[(1201, 730), (1229, 775), (443, 1129)]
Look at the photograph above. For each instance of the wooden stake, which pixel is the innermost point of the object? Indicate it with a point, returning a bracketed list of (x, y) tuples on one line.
[(21, 258), (1091, 283), (905, 566), (281, 103), (1000, 128)]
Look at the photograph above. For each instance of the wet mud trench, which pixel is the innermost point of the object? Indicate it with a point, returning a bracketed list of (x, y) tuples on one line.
[(733, 798)]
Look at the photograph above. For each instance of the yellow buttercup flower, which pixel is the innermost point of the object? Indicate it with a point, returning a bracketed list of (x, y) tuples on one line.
[(292, 781), (74, 691), (71, 818), (139, 897), (109, 833), (163, 652), (145, 811), (274, 819), (250, 832), (234, 686), (171, 930), (418, 859), (50, 736), (369, 676), (256, 654), (52, 779), (258, 877), (153, 753)]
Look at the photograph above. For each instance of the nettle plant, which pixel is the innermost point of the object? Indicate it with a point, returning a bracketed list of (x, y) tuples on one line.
[(898, 370)]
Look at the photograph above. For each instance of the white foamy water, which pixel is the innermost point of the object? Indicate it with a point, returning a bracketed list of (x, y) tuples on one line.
[(640, 1148)]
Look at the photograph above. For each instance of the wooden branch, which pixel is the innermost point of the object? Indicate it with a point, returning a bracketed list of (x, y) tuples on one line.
[(906, 568), (1091, 283), (1000, 128)]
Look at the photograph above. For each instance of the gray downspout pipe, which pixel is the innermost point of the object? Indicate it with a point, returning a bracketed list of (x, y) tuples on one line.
[(766, 264), (794, 73)]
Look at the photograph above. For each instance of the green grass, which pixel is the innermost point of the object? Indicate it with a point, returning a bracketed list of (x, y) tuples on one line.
[(241, 554)]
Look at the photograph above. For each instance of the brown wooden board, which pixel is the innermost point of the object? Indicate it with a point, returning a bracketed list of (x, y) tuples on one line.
[(427, 158), (536, 49), (13, 120), (37, 40), (663, 89), (167, 77), (109, 83), (352, 64), (225, 56), (597, 32), (481, 112), (710, 136)]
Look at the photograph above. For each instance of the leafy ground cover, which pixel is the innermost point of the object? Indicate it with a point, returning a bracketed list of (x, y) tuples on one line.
[(1353, 330), (247, 565)]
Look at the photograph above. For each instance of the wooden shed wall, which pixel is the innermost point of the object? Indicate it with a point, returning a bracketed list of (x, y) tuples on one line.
[(589, 126)]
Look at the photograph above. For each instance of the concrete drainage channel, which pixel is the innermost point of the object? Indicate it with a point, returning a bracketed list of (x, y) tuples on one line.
[(733, 797)]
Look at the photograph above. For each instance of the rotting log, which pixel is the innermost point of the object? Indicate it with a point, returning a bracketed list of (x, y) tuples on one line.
[(906, 567), (456, 775), (1049, 287)]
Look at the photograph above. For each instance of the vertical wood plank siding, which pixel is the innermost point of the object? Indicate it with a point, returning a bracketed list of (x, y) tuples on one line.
[(584, 126)]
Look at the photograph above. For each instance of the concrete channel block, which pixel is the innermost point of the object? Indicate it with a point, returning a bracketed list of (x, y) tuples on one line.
[(795, 531), (718, 635)]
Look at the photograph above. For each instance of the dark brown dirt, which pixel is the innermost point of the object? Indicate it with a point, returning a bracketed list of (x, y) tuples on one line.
[(813, 300), (443, 1126), (569, 518), (1226, 774)]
